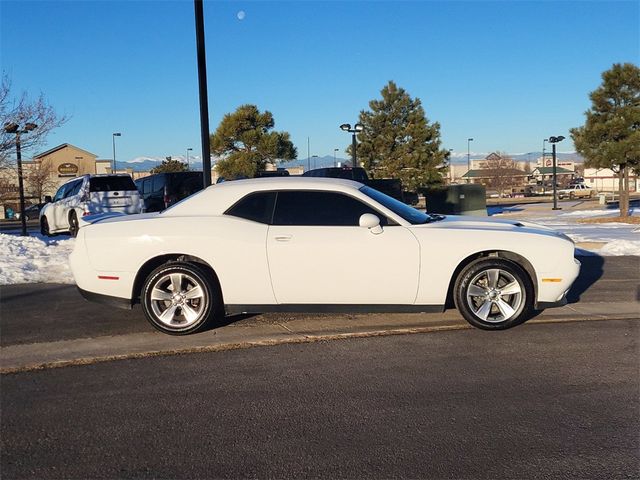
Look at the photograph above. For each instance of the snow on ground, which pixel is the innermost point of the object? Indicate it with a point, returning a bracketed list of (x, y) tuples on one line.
[(35, 259), (601, 238)]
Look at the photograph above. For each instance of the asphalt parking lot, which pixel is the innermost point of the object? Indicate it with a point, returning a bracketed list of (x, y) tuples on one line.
[(539, 401)]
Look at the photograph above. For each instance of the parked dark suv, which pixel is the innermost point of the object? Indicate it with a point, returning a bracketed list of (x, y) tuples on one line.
[(162, 190)]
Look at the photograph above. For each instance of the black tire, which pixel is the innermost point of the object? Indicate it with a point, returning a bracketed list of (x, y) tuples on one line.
[(73, 224), (477, 277), (180, 321), (44, 226)]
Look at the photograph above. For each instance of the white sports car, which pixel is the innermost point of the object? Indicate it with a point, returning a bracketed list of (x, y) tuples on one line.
[(317, 245)]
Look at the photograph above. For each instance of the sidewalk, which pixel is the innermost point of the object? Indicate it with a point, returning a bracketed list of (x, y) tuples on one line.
[(275, 330)]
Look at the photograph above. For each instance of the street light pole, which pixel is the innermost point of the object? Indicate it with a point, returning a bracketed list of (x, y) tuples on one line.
[(469, 140), (113, 137), (553, 141), (188, 150), (358, 127), (202, 88), (15, 128)]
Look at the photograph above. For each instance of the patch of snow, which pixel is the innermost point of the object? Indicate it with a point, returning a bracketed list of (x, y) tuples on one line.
[(35, 259), (618, 238)]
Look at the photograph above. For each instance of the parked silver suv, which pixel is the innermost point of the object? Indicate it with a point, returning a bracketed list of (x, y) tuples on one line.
[(88, 195)]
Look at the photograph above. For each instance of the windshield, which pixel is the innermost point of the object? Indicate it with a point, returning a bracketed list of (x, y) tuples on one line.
[(410, 214)]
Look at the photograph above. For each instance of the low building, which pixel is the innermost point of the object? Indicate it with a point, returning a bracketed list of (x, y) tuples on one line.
[(543, 175), (606, 180)]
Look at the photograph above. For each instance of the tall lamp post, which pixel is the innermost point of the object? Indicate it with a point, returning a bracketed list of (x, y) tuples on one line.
[(553, 141), (113, 137), (358, 127), (335, 151), (188, 150), (15, 128), (469, 140)]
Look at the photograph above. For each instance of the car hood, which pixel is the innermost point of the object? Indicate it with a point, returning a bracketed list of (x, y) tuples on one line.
[(460, 222)]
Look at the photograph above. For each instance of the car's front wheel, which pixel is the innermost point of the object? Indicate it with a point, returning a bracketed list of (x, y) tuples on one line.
[(179, 298), (494, 294)]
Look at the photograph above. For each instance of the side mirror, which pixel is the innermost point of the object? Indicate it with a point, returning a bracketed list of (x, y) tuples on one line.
[(47, 199), (370, 221)]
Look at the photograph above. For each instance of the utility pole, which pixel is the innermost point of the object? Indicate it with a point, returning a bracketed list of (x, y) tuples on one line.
[(202, 88)]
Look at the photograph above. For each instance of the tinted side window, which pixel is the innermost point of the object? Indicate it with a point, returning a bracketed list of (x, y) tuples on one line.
[(146, 186), (320, 208), (60, 193), (73, 189), (255, 206), (158, 184)]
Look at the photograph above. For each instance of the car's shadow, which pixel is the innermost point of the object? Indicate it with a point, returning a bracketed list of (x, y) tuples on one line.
[(591, 271)]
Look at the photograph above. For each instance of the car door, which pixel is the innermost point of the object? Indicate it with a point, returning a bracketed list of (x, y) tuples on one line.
[(318, 253)]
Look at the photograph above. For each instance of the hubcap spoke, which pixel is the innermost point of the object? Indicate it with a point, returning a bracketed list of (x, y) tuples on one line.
[(505, 309), (158, 294), (484, 310), (168, 315), (176, 282), (492, 277), (189, 313), (195, 292), (511, 289), (477, 291)]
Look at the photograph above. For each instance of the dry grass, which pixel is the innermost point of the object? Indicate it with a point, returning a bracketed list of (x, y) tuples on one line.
[(629, 219)]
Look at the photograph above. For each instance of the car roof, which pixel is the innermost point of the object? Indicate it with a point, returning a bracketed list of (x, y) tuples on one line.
[(216, 199)]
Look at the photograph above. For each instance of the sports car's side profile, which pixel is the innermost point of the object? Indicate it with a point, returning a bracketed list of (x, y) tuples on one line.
[(314, 244)]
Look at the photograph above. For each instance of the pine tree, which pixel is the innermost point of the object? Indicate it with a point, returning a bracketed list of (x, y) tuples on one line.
[(246, 145), (169, 165), (399, 142), (610, 137)]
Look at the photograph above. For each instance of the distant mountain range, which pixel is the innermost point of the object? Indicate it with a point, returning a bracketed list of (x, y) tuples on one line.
[(142, 164)]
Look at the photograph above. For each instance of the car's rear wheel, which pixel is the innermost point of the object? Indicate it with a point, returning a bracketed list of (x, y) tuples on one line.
[(73, 224), (179, 298), (44, 226), (494, 294)]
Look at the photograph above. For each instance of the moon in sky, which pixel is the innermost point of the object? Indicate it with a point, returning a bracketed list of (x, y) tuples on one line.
[(241, 15)]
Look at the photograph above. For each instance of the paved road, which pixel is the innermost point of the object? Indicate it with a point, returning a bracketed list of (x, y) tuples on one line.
[(45, 313), (539, 401)]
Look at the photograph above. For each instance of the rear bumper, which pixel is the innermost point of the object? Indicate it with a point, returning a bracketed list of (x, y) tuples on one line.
[(124, 303)]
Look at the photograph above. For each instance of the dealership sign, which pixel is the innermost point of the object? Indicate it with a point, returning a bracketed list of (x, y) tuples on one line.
[(68, 170)]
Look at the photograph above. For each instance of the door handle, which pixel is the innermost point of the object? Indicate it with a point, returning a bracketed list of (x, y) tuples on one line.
[(282, 238)]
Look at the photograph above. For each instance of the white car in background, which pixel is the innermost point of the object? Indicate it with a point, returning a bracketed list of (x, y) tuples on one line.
[(317, 245), (88, 195)]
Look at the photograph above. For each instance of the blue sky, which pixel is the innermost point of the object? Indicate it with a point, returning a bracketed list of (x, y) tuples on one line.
[(506, 73)]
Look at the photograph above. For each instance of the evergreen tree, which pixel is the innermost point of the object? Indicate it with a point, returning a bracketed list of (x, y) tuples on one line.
[(169, 165), (399, 142), (246, 145), (610, 137)]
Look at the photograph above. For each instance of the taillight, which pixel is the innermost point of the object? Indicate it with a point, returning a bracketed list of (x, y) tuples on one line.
[(169, 200)]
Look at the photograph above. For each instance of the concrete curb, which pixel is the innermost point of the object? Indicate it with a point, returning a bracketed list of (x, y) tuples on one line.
[(86, 351)]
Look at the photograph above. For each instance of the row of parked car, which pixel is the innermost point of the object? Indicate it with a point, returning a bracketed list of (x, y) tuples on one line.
[(92, 194)]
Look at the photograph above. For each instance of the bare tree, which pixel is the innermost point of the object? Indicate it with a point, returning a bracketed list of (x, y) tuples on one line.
[(38, 179), (21, 110), (499, 171)]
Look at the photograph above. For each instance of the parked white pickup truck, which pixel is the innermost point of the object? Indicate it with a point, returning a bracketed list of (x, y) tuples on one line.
[(576, 191)]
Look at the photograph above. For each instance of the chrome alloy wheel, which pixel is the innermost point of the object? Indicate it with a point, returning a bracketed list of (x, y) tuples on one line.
[(494, 295), (177, 300)]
